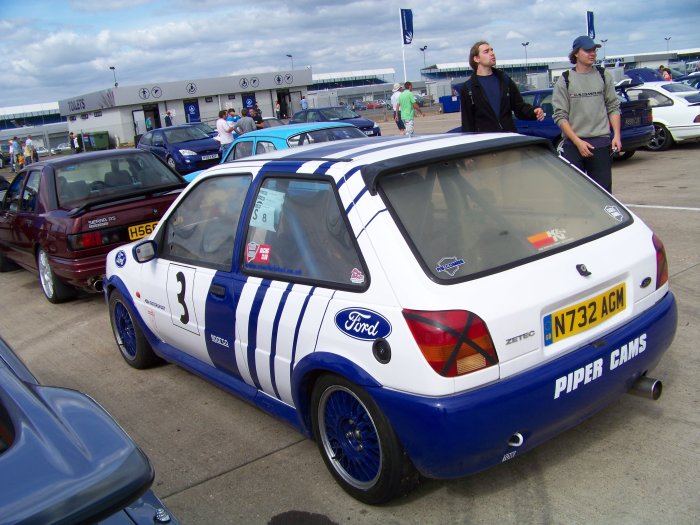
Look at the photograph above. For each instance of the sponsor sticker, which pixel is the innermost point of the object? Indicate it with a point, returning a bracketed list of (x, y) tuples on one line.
[(363, 324), (449, 265), (258, 253), (101, 222), (357, 276), (548, 238), (614, 212)]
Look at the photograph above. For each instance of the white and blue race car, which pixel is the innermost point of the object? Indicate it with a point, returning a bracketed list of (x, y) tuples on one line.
[(433, 306)]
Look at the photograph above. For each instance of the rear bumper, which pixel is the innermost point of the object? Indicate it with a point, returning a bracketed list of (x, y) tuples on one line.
[(79, 272), (634, 138), (457, 435)]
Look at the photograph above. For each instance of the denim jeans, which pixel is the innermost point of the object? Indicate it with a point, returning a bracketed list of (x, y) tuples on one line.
[(598, 167)]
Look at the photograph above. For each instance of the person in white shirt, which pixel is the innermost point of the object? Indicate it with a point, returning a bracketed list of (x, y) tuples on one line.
[(225, 131), (396, 93)]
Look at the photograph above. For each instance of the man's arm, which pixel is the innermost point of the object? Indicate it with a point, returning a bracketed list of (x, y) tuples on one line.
[(522, 109)]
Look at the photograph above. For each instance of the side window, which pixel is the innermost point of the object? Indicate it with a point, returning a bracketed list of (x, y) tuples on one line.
[(655, 99), (298, 231), (264, 146), (243, 149), (529, 99), (158, 138), (147, 139), (202, 230), (31, 191), (12, 197)]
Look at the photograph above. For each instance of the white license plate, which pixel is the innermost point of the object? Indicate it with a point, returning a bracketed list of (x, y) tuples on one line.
[(632, 121), (369, 132), (209, 157)]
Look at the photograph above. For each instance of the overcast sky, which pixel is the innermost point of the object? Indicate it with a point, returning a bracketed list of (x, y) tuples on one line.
[(58, 49)]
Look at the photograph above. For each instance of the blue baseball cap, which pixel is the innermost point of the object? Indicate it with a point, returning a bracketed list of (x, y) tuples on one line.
[(584, 42)]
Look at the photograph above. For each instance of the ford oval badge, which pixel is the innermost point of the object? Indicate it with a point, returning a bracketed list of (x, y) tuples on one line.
[(363, 324)]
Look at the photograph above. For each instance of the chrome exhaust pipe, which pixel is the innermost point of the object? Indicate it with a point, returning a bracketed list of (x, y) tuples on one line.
[(648, 387), (97, 285)]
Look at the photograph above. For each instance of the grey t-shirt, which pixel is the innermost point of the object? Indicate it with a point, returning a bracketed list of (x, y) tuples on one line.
[(245, 124), (587, 104)]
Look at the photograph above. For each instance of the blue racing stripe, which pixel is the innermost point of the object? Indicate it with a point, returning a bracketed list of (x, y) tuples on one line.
[(296, 331), (354, 201), (348, 175), (370, 221), (275, 331), (253, 318)]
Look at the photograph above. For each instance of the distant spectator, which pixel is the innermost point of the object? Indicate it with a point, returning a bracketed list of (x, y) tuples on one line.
[(245, 124), (255, 115), (13, 157), (232, 117), (225, 130), (28, 151), (71, 142), (278, 109), (407, 107), (168, 119), (666, 73), (396, 93), (304, 103)]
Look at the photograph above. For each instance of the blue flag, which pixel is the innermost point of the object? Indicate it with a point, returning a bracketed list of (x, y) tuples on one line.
[(407, 25), (589, 20)]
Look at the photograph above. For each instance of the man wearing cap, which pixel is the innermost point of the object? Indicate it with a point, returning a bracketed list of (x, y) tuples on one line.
[(585, 108), (395, 94)]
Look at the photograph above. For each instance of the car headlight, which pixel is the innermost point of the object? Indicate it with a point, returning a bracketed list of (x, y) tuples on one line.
[(375, 125), (187, 152)]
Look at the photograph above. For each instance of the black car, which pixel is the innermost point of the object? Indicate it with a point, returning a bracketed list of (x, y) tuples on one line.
[(5, 158)]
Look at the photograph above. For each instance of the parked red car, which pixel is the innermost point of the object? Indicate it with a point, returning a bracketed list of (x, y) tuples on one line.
[(61, 217)]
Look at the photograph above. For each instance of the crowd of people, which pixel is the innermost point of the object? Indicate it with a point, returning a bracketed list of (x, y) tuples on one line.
[(22, 153)]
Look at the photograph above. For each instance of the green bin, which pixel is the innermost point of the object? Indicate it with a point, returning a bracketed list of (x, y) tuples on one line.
[(99, 140)]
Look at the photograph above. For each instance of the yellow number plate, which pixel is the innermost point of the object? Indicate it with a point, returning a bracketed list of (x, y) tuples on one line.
[(141, 230), (580, 317)]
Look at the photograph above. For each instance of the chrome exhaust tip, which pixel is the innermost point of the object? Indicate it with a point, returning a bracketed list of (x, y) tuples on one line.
[(648, 387), (97, 285), (516, 440)]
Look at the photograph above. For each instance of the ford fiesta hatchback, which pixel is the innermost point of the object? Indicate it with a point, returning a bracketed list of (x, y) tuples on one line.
[(433, 306)]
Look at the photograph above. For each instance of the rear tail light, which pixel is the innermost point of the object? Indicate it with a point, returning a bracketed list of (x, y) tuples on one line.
[(696, 119), (454, 342), (94, 239), (661, 262), (650, 118)]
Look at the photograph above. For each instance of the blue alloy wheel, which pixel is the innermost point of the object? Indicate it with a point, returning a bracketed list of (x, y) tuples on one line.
[(350, 437), (357, 443), (131, 340)]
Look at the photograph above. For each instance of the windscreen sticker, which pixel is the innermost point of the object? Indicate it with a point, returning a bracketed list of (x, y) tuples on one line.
[(449, 265), (258, 253), (614, 212), (549, 238), (267, 209), (357, 276)]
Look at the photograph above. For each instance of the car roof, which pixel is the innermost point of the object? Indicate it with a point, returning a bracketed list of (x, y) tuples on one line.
[(92, 155), (382, 154), (286, 131)]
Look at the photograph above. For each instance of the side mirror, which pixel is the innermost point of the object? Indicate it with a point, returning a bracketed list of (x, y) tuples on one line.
[(158, 144), (144, 251)]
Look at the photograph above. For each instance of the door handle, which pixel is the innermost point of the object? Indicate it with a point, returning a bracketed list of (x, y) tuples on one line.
[(217, 290)]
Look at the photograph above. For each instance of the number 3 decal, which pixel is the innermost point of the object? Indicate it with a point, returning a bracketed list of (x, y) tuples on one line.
[(185, 317), (179, 286)]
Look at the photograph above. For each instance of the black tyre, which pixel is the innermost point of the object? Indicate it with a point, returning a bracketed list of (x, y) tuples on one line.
[(624, 155), (55, 290), (662, 139), (133, 345), (357, 442)]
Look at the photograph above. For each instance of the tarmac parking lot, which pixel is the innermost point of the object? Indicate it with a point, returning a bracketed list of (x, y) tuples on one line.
[(219, 460)]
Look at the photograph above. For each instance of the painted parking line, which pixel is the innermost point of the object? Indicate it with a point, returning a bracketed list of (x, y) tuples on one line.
[(679, 208)]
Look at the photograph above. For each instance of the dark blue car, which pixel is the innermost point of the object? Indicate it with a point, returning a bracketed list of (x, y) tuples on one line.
[(63, 459), (635, 120), (337, 114), (185, 148)]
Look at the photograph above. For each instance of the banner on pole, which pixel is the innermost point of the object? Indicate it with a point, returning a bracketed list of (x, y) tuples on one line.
[(589, 20), (407, 25)]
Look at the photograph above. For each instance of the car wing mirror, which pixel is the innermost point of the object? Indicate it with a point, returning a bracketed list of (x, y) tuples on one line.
[(158, 143), (144, 251)]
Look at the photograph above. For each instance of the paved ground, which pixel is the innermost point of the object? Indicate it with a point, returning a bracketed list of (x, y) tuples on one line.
[(219, 460)]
